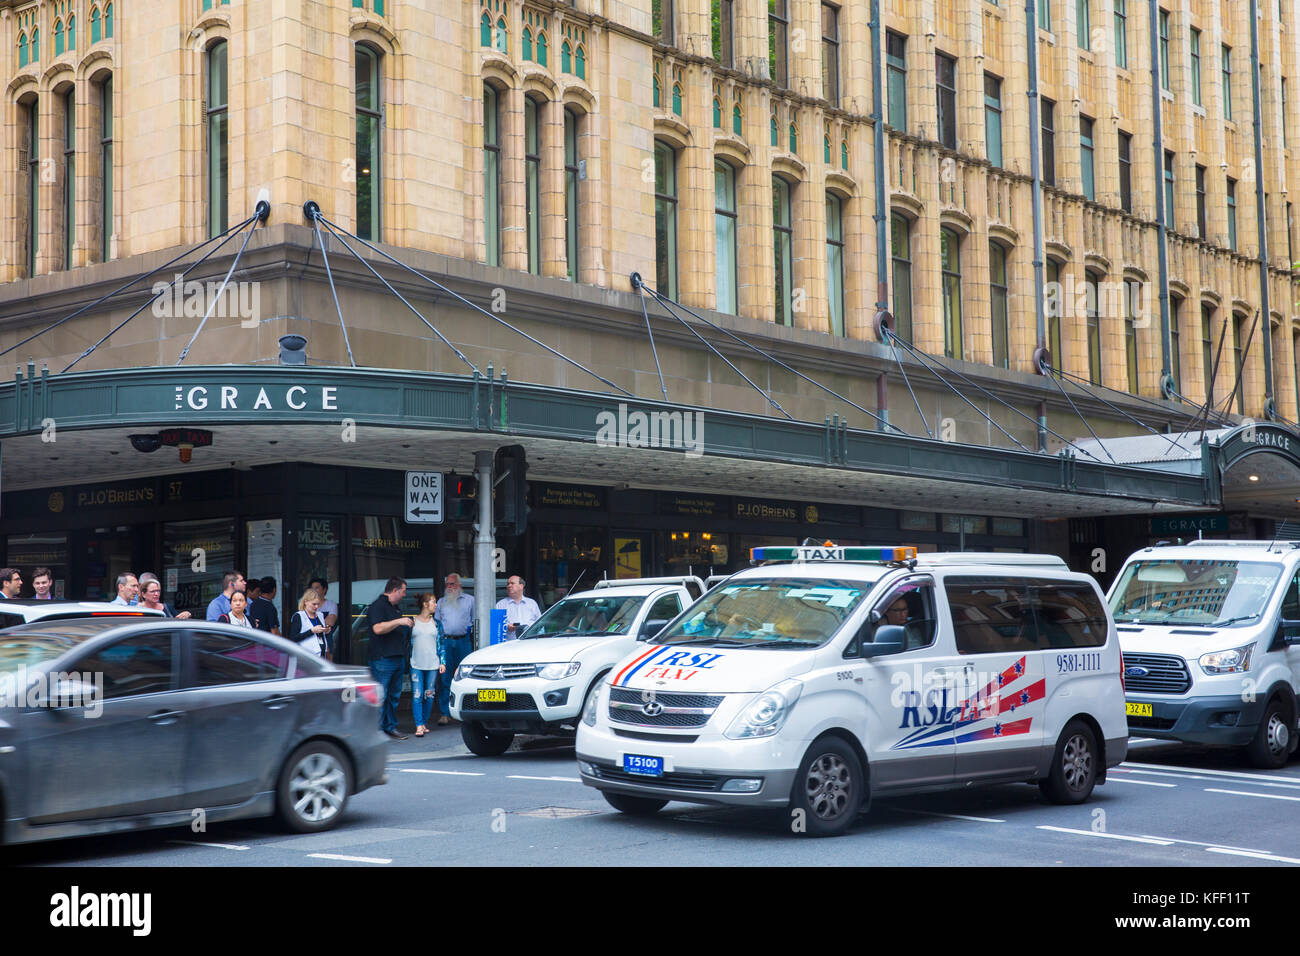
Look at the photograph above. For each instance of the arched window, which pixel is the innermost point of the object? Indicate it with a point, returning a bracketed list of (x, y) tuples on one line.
[(1175, 342), (998, 303), (379, 7), (106, 168), (1092, 282), (776, 139), (22, 49), (900, 233), (72, 33), (835, 263), (677, 98), (1238, 327), (737, 120), (533, 186), (566, 57), (36, 46), (58, 37), (368, 107), (503, 36), (1054, 305), (666, 220), (656, 91), (541, 47), (1132, 290), (95, 33), (717, 113), (108, 21), (218, 139), (844, 154), (724, 228), (485, 30), (950, 260), (571, 193), (528, 43), (492, 175), (69, 177), (31, 130), (582, 62), (783, 245), (794, 139), (826, 149)]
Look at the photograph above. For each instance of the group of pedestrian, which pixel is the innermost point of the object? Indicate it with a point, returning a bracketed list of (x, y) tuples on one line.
[(11, 584), (432, 643)]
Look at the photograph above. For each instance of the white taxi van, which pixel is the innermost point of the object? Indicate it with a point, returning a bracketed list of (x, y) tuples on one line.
[(839, 674), (1209, 632)]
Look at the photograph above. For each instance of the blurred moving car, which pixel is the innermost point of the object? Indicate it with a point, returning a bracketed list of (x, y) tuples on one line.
[(28, 610), (110, 724)]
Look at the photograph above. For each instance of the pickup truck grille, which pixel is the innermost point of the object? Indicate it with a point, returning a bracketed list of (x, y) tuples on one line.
[(506, 671), (1165, 674)]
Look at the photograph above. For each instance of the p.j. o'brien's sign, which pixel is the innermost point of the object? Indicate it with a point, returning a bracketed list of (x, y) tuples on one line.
[(296, 398)]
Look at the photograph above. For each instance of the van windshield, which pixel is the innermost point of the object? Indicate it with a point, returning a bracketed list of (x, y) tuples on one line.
[(1203, 592), (782, 612)]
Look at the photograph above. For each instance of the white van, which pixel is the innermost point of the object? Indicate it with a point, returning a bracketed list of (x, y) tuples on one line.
[(839, 674), (539, 683), (1209, 633)]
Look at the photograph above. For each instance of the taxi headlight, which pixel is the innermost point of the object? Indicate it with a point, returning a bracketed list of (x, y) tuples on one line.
[(1235, 660), (593, 705), (462, 671), (766, 714), (557, 671)]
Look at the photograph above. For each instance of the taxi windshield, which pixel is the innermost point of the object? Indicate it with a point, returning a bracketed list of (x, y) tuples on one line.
[(587, 615), (777, 612), (1201, 592)]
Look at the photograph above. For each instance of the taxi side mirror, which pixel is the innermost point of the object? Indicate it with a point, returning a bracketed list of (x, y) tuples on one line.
[(889, 639)]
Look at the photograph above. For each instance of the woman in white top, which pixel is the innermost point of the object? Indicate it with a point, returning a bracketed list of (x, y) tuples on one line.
[(308, 629), (428, 659), (237, 617)]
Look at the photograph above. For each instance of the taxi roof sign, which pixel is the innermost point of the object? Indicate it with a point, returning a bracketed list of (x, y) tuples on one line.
[(830, 552)]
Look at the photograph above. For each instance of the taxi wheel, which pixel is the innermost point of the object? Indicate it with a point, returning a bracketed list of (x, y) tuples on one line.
[(1271, 746), (1074, 765), (485, 743), (828, 789), (634, 806), (313, 788)]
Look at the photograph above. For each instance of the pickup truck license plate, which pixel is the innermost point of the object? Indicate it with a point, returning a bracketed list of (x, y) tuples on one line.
[(491, 695), (643, 766)]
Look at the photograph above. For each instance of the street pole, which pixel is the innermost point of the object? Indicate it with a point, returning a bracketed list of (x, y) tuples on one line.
[(485, 578), (1261, 214), (1035, 133)]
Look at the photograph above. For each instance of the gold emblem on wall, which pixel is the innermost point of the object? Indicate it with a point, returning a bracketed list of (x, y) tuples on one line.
[(56, 501), (810, 514)]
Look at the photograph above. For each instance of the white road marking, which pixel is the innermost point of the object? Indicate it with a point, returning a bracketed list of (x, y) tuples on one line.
[(1246, 793), (1294, 781), (219, 846), (448, 773), (348, 859), (1253, 855), (1254, 781), (1145, 783), (1218, 847), (407, 758), (950, 816), (516, 776), (1158, 841)]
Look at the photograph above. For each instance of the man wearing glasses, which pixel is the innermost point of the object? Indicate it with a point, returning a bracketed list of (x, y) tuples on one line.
[(456, 615)]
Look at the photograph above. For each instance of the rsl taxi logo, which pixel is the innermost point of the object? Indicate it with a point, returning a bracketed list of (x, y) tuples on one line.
[(665, 663)]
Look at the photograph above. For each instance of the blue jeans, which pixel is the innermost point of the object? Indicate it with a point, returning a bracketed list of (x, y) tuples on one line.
[(389, 671), (422, 690), (458, 649)]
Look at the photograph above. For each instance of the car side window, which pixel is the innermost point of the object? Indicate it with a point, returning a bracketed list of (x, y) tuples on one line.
[(910, 606), (1068, 615), (991, 615), (10, 620), (665, 608), (229, 659), (140, 664), (1291, 600)]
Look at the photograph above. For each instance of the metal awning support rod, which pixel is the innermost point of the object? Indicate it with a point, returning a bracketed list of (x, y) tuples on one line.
[(974, 384), (920, 357), (1209, 388), (335, 228), (441, 338), (1056, 380), (1165, 411), (325, 256), (1245, 355), (893, 340), (636, 284), (1261, 212), (709, 345), (1115, 408), (126, 285), (153, 298), (665, 301), (263, 210)]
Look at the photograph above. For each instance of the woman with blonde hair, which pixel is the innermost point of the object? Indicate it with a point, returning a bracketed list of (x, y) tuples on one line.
[(308, 630)]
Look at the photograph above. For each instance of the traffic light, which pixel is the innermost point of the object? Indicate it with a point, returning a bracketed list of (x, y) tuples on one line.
[(462, 498), (511, 498)]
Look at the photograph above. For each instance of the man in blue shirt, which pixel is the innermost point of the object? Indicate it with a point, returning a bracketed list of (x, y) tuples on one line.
[(128, 589), (456, 615), (231, 582)]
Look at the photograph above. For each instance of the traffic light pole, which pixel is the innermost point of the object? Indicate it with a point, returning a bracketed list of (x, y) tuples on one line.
[(485, 579)]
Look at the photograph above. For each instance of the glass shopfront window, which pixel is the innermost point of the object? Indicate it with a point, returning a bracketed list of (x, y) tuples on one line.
[(384, 547), (566, 553), (27, 552), (195, 556), (319, 547), (695, 552)]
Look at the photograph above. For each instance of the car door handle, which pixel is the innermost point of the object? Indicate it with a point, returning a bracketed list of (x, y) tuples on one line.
[(166, 716), (277, 703)]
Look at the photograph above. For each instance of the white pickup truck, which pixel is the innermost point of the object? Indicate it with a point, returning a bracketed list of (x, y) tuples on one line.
[(539, 683)]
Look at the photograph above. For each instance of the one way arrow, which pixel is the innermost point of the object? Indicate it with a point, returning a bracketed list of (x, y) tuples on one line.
[(423, 511)]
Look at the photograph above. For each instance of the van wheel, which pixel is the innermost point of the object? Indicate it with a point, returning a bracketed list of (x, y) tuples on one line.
[(313, 789), (829, 789), (633, 806), (1271, 746), (484, 743), (1073, 773)]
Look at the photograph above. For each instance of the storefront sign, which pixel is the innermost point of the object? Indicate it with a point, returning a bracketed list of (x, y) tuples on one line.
[(757, 510), (627, 557), (703, 506), (318, 534), (1190, 524), (568, 496), (296, 398)]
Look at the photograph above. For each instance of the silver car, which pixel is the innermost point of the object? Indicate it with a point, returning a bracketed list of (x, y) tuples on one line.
[(110, 724)]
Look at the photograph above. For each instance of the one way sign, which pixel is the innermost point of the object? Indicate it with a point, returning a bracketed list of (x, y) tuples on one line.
[(424, 497)]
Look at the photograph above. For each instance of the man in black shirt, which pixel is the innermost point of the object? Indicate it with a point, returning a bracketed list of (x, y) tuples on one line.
[(390, 647), (262, 610)]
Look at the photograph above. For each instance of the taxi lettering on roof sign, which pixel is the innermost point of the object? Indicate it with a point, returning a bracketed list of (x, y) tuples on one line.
[(828, 674)]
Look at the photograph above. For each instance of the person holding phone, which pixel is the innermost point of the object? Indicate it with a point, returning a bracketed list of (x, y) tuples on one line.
[(308, 630), (520, 611)]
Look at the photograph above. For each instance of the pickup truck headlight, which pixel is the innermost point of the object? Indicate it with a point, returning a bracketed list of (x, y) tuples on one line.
[(766, 714), (462, 671), (558, 671), (1235, 660), (592, 709)]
